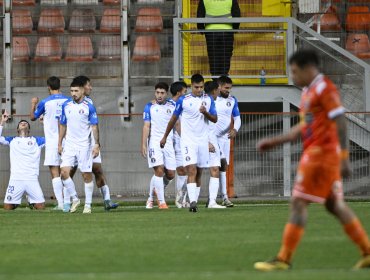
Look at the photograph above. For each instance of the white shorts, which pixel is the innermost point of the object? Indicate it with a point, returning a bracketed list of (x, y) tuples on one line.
[(83, 158), (16, 189), (178, 154), (224, 145), (158, 156), (215, 158), (97, 159), (52, 157), (197, 154)]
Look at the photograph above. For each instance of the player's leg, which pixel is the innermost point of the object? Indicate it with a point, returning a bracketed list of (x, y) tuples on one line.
[(52, 160), (352, 226), (214, 180), (68, 161), (13, 194), (89, 189), (225, 156), (159, 186), (181, 191), (35, 194)]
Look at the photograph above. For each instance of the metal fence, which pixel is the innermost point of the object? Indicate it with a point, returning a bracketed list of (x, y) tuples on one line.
[(268, 175)]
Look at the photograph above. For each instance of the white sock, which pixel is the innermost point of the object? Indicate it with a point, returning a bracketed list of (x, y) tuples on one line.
[(58, 190), (71, 189), (191, 191), (105, 192), (159, 187), (151, 188), (66, 195), (213, 189), (180, 182), (223, 184), (89, 188), (197, 192)]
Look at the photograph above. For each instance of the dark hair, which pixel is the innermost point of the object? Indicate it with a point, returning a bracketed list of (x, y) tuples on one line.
[(77, 83), (197, 78), (176, 87), (53, 82), (161, 85), (210, 86), (305, 58), (29, 126), (224, 80), (82, 79)]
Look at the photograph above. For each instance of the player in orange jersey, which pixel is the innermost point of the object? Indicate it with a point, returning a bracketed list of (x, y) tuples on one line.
[(324, 160)]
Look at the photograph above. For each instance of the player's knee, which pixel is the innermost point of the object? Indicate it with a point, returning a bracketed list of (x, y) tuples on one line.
[(64, 174), (223, 167), (170, 174), (181, 171), (215, 172)]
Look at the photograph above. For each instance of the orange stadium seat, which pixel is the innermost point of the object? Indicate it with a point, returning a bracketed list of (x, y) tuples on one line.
[(358, 18), (53, 2), (150, 2), (21, 49), (111, 2), (24, 2), (22, 21), (51, 20), (79, 49), (149, 20), (146, 49), (328, 21), (85, 2), (48, 49), (111, 21), (110, 48), (359, 45), (82, 20)]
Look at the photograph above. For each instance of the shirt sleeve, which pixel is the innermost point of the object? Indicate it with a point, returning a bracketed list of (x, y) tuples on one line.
[(146, 114), (179, 108), (40, 110), (40, 141), (5, 140), (63, 119), (93, 116), (212, 109), (235, 111), (330, 100)]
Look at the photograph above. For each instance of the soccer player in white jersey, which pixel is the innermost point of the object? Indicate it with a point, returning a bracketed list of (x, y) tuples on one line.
[(177, 90), (162, 160), (212, 88), (25, 153), (196, 109), (78, 124), (227, 108), (50, 109), (97, 161)]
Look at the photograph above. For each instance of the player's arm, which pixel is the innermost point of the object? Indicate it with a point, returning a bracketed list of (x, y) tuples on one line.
[(4, 140), (236, 120), (144, 139), (37, 109), (269, 143), (178, 127), (62, 129), (169, 128), (212, 114), (344, 145), (95, 133)]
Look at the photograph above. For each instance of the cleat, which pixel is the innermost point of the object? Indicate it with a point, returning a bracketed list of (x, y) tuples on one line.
[(214, 205), (185, 204), (207, 203), (58, 208), (363, 263), (108, 205), (149, 204), (163, 206), (226, 202), (75, 205), (66, 207), (193, 207), (272, 265), (178, 199), (31, 205), (87, 210)]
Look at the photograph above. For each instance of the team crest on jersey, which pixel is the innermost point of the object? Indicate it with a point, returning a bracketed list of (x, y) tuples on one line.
[(153, 160), (81, 112), (228, 104), (187, 158), (168, 111), (204, 103), (29, 143), (9, 197)]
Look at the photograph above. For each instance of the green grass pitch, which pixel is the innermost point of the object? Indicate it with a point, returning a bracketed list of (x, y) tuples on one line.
[(135, 243)]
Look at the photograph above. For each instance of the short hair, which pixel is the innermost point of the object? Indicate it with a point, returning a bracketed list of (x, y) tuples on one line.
[(53, 83), (197, 78), (77, 83), (162, 85), (82, 79), (305, 58), (29, 126), (210, 86), (176, 87), (224, 80)]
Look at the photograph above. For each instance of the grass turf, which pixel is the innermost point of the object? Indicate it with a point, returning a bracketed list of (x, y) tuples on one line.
[(135, 243)]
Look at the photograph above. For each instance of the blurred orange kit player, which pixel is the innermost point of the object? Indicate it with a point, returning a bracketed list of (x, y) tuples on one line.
[(324, 161)]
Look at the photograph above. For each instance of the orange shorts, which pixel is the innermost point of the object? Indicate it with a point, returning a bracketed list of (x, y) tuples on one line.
[(318, 176)]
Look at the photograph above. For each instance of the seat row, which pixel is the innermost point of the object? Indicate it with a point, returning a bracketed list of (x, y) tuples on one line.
[(52, 20), (80, 48), (31, 3)]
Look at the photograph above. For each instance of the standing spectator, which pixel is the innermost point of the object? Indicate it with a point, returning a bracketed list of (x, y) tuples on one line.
[(220, 44)]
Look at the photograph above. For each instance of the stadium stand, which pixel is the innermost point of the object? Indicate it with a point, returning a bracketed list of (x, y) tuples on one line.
[(149, 20), (111, 21), (359, 45), (53, 2), (110, 48), (21, 49), (48, 49), (22, 22), (51, 20), (358, 18), (146, 49), (82, 20), (79, 49)]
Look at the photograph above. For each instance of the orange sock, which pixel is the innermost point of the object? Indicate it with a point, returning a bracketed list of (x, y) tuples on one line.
[(356, 232), (291, 237)]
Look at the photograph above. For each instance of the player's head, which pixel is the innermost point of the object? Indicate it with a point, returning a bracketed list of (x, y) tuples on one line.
[(24, 126), (225, 84), (304, 66), (160, 92), (87, 84), (53, 83), (212, 88), (178, 88), (77, 90), (197, 84)]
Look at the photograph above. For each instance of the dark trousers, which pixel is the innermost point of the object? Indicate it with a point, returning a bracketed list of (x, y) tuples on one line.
[(220, 47)]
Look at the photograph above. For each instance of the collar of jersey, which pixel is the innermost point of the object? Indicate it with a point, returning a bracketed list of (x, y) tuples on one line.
[(84, 99), (316, 80), (192, 94)]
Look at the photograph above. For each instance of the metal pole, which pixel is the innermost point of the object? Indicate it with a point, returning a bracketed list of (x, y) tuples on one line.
[(7, 56), (176, 50), (289, 48), (286, 150), (366, 91), (125, 61)]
